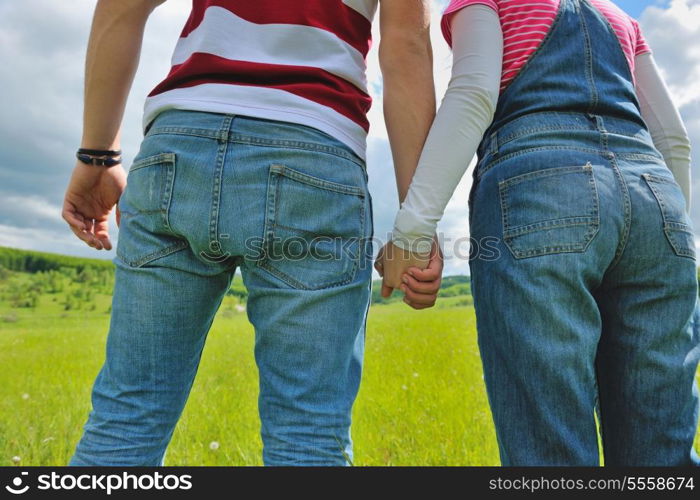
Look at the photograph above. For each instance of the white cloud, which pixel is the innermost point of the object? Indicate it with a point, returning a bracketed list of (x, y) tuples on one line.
[(677, 55), (30, 207)]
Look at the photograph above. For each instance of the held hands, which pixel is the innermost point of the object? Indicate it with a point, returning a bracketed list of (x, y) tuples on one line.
[(92, 193), (418, 276)]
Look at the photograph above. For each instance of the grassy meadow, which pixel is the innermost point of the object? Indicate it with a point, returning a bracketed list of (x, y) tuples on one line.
[(422, 400)]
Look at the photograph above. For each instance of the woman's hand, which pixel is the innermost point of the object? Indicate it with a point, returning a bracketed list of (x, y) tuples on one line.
[(92, 193), (417, 275)]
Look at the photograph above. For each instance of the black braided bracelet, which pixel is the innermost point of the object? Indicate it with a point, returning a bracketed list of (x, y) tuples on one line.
[(99, 161), (100, 152)]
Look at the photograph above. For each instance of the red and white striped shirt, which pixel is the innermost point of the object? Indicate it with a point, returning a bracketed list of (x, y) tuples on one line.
[(525, 24), (296, 61)]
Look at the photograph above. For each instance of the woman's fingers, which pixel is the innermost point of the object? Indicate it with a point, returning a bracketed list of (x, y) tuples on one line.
[(379, 266)]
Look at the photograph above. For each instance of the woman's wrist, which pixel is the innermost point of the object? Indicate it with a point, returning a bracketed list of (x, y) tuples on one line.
[(420, 245), (412, 233)]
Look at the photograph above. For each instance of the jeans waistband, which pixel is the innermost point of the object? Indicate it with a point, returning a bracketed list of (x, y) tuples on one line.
[(249, 130), (552, 122)]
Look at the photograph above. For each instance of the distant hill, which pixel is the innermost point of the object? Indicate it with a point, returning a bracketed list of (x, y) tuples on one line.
[(451, 286), (29, 261)]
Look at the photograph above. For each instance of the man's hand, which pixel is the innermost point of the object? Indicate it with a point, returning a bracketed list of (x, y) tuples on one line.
[(418, 276), (91, 195), (112, 58)]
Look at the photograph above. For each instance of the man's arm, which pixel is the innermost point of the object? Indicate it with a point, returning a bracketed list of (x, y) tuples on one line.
[(112, 58), (406, 61)]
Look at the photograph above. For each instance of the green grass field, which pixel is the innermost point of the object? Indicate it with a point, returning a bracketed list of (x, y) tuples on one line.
[(422, 400)]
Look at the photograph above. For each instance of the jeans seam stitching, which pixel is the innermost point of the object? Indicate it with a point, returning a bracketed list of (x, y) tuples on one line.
[(271, 222), (669, 226), (250, 140), (627, 210), (168, 195), (510, 233), (153, 255), (290, 173), (509, 156), (304, 146)]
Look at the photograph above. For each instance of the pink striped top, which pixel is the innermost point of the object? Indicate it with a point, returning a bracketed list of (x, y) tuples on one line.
[(526, 23)]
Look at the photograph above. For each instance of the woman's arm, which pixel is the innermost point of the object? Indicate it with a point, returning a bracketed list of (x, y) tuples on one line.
[(464, 115), (667, 130)]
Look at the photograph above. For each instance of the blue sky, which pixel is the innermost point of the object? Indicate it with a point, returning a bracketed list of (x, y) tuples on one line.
[(635, 7), (41, 102)]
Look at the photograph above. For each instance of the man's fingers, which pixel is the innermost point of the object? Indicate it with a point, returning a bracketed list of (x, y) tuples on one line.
[(90, 226), (102, 233), (418, 298), (87, 237), (427, 274), (81, 227), (426, 287), (73, 218), (386, 291), (433, 270), (416, 306)]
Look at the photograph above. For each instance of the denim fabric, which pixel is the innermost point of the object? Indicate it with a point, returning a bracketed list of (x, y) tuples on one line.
[(289, 206), (591, 300)]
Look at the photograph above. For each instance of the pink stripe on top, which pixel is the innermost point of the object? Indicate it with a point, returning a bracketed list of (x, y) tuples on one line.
[(525, 24)]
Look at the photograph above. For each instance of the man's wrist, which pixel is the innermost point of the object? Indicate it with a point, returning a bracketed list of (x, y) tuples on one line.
[(99, 157)]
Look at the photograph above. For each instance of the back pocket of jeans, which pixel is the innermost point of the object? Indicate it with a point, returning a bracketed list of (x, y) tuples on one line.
[(313, 229), (676, 223), (144, 233), (549, 211)]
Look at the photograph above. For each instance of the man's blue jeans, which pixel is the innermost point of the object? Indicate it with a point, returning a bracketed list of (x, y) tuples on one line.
[(287, 204)]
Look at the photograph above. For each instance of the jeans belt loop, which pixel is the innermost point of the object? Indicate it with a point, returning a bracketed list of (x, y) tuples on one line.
[(493, 144)]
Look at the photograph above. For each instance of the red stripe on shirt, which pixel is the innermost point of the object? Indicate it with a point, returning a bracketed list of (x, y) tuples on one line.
[(310, 83), (329, 15)]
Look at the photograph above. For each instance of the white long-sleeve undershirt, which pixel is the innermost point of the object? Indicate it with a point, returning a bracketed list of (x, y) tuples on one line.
[(664, 121), (468, 108)]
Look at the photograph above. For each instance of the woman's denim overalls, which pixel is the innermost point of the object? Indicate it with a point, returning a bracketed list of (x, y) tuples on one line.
[(590, 299)]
